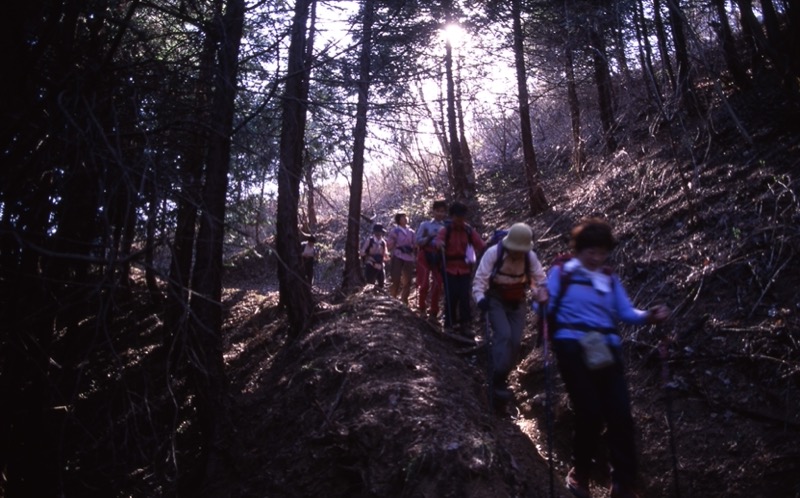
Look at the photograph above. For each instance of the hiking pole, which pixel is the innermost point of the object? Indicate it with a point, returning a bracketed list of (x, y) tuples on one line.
[(663, 352), (548, 397), (448, 312), (489, 363)]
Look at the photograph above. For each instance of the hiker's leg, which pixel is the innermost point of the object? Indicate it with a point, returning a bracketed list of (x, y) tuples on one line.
[(309, 267), (395, 269), (370, 274), (436, 290), (501, 339), (449, 299), (620, 435), (464, 308), (422, 282), (584, 399), (516, 323), (406, 280), (381, 276)]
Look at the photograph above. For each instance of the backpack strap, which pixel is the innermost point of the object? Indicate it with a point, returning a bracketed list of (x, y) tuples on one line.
[(448, 230), (498, 262), (564, 280), (501, 250)]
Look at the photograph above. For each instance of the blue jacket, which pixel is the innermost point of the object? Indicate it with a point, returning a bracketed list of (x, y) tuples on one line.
[(593, 301)]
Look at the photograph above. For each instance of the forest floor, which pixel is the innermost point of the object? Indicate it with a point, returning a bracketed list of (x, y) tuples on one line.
[(373, 401)]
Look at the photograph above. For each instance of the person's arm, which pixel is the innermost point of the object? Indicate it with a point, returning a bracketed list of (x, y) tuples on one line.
[(477, 242), (626, 312), (421, 235), (438, 242), (391, 240), (480, 284), (537, 277)]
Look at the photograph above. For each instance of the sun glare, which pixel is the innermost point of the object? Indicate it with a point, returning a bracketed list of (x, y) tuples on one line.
[(454, 34)]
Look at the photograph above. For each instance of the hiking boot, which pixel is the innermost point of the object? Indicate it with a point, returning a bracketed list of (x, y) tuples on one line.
[(620, 491), (578, 484)]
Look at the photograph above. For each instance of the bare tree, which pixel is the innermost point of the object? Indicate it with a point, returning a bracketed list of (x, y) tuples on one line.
[(537, 202), (208, 369), (602, 78), (353, 276), (295, 293)]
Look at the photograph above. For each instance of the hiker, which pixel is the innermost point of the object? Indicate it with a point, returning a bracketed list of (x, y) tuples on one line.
[(587, 346), (429, 262), (309, 256), (400, 243), (374, 254), (505, 273), (454, 241)]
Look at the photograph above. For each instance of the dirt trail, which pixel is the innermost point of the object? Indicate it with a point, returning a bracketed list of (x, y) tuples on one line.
[(376, 402)]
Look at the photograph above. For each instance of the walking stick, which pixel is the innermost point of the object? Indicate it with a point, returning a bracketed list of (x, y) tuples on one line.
[(489, 362), (448, 312), (548, 396), (663, 350)]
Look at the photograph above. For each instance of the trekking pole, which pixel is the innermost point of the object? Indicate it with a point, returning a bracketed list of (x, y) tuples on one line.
[(663, 352), (548, 398), (489, 363), (448, 313)]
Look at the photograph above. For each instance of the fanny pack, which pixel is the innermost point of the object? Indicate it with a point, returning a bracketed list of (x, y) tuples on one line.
[(405, 249), (510, 293), (596, 352)]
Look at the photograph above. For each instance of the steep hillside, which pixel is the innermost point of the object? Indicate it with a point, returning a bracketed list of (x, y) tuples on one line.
[(373, 401)]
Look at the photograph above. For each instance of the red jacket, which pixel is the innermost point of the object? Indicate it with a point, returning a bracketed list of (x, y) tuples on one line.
[(455, 247)]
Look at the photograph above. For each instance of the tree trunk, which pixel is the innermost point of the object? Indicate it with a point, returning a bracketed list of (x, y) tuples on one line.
[(578, 155), (738, 72), (353, 276), (537, 203), (646, 55), (460, 183), (295, 293), (311, 210), (466, 154), (779, 49), (661, 36), (685, 88), (793, 36), (207, 372), (191, 174), (752, 35), (603, 81)]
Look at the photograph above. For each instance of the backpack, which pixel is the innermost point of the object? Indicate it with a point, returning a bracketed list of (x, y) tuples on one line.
[(369, 246), (555, 301), (448, 228), (513, 293)]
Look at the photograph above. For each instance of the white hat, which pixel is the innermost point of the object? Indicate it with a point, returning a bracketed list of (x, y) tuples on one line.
[(519, 238)]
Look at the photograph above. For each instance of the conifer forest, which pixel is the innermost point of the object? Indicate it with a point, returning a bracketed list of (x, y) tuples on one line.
[(166, 162)]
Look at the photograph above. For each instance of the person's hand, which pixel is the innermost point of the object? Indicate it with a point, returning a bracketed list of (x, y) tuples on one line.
[(540, 295), (658, 314), (483, 304)]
